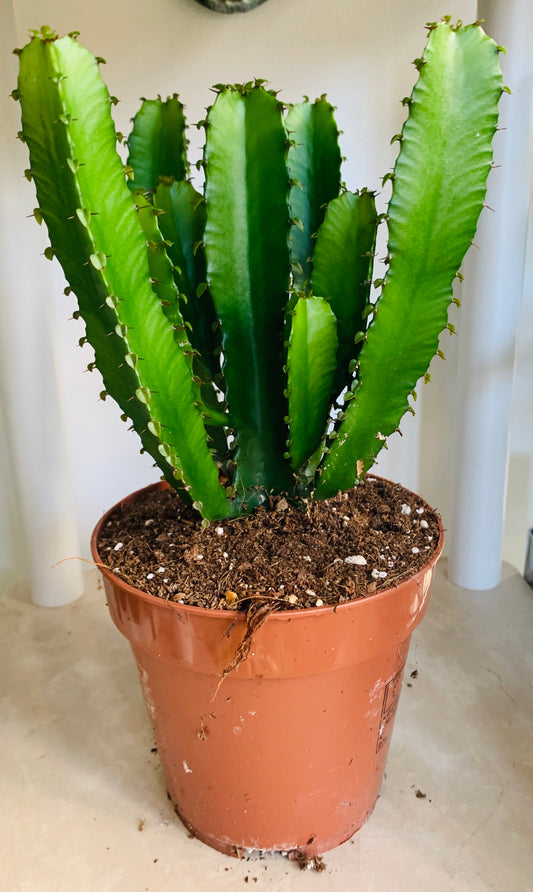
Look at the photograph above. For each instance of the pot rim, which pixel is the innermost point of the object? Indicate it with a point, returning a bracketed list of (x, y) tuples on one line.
[(238, 615)]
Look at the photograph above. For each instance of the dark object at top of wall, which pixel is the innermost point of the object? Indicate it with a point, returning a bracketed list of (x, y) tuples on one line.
[(229, 6)]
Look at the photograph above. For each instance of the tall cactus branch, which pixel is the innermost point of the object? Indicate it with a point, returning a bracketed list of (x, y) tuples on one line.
[(248, 273), (438, 193), (98, 239)]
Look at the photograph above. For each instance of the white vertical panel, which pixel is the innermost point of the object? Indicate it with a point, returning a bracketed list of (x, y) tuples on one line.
[(492, 295), (29, 391)]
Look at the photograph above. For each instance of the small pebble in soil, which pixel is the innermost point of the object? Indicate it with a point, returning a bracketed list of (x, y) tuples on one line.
[(219, 531), (149, 575), (118, 546), (406, 509), (424, 524), (415, 550), (357, 559)]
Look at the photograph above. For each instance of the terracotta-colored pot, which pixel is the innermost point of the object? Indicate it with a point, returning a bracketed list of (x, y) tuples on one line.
[(288, 753)]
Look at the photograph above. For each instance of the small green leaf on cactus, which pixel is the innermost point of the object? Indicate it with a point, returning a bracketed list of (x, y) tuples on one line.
[(155, 428), (84, 216), (143, 395), (98, 260), (121, 329)]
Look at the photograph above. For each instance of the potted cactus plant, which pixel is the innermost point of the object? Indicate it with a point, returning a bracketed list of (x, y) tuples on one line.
[(242, 333)]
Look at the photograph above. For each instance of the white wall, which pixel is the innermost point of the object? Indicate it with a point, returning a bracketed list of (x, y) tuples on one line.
[(359, 52)]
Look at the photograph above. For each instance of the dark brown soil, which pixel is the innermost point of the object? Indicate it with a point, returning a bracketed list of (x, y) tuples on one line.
[(335, 551)]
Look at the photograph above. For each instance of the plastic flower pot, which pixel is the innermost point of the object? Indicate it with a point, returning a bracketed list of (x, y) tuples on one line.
[(288, 752)]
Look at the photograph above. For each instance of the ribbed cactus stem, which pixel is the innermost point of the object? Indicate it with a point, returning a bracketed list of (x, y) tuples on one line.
[(438, 192), (66, 115), (248, 274), (158, 144)]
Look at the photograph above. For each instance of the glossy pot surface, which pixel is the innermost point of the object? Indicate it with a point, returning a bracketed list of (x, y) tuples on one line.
[(288, 752)]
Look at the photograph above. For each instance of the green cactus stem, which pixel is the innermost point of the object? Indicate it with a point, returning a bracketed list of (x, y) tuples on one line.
[(182, 224), (314, 162), (161, 272), (97, 237), (248, 274), (438, 192), (311, 367), (157, 143), (342, 269)]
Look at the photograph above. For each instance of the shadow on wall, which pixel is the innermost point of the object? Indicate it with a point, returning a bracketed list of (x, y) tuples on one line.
[(518, 518), (11, 560)]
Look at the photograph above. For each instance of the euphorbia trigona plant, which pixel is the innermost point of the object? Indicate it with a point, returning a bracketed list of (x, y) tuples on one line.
[(237, 328)]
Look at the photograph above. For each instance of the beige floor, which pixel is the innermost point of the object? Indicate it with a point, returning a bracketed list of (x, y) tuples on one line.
[(77, 779)]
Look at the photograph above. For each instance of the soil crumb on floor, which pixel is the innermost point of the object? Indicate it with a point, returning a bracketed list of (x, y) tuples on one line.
[(333, 551)]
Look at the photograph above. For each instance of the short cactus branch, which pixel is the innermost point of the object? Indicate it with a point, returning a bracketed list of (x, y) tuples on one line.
[(314, 162), (311, 367), (157, 144)]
